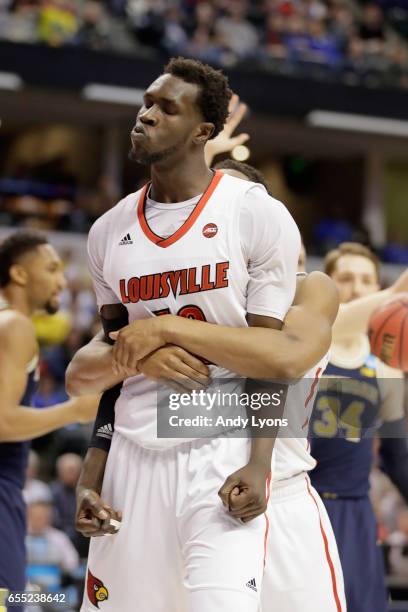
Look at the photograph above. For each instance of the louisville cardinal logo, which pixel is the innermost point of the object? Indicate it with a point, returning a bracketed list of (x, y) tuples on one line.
[(96, 590)]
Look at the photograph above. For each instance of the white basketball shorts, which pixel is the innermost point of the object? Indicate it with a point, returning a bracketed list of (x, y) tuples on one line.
[(302, 571), (177, 550)]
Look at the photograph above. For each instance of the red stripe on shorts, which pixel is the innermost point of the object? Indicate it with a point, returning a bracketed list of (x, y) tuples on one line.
[(312, 388), (268, 492), (326, 547)]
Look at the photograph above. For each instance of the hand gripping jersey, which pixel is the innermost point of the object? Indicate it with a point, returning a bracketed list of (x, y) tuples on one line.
[(198, 272)]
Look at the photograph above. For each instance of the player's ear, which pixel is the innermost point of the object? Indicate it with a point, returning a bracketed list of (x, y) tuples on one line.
[(18, 275), (203, 133)]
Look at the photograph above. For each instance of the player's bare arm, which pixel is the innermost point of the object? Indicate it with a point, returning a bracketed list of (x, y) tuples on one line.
[(353, 316), (91, 370), (94, 517), (308, 325), (17, 423)]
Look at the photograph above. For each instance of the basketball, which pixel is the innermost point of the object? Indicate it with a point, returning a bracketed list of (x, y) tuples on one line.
[(388, 332)]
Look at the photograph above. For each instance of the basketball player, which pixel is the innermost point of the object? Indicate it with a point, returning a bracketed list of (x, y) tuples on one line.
[(302, 571), (31, 278), (306, 338), (346, 413), (198, 244), (313, 576)]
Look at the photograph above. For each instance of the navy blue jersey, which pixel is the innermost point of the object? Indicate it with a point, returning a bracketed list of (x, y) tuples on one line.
[(346, 414), (13, 455)]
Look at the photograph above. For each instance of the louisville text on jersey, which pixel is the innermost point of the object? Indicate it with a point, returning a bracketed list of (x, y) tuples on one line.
[(179, 282)]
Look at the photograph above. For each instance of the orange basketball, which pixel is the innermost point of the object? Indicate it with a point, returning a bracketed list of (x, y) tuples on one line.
[(388, 332)]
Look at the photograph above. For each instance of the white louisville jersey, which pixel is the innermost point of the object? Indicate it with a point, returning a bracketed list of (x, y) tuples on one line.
[(291, 454), (198, 272)]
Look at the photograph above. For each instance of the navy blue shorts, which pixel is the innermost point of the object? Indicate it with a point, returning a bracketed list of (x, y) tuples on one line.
[(355, 528), (12, 539)]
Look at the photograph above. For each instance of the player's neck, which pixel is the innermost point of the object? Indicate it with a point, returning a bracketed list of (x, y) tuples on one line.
[(16, 299), (181, 182), (348, 347)]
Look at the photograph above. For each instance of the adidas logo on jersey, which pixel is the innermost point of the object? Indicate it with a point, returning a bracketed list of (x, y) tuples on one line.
[(251, 584), (105, 431), (126, 240)]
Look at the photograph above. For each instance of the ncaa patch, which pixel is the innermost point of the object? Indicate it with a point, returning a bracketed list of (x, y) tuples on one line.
[(210, 230)]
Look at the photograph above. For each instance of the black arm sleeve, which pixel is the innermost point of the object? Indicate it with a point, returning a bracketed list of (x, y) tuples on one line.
[(104, 425), (394, 454)]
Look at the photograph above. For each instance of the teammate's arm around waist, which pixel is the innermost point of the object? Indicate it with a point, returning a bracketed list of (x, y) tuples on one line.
[(262, 352)]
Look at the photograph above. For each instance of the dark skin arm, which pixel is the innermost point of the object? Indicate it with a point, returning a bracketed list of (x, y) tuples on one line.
[(305, 338), (307, 327), (268, 353)]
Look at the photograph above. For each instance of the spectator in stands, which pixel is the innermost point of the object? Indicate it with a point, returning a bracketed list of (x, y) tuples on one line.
[(50, 552), (372, 23), (146, 19), (323, 46), (20, 25), (274, 36), (234, 30), (203, 43), (35, 490), (63, 491), (94, 31), (58, 22), (174, 36)]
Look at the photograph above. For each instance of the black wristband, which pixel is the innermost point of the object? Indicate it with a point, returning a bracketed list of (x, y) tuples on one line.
[(104, 425)]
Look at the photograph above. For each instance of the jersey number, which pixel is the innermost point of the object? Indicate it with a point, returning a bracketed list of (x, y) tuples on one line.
[(331, 421), (188, 312)]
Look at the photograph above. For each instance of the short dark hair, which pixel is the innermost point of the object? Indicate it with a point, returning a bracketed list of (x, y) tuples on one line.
[(13, 247), (349, 248), (252, 173), (215, 93)]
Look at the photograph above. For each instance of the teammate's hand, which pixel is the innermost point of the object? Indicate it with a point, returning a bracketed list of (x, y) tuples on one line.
[(93, 515), (224, 142), (244, 492), (137, 340), (85, 408), (176, 368)]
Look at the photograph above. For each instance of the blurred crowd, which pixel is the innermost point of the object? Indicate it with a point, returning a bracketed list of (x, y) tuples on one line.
[(361, 40)]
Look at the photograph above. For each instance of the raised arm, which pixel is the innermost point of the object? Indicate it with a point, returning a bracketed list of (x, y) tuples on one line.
[(354, 316), (225, 141), (19, 423)]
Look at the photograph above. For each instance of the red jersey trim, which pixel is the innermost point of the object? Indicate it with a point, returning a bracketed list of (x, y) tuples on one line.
[(187, 225)]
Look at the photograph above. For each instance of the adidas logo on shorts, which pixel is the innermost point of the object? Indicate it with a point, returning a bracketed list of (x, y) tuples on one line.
[(105, 431), (251, 584), (126, 240)]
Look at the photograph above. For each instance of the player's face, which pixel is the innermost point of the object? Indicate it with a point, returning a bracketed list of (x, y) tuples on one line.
[(167, 122), (45, 279), (355, 277)]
